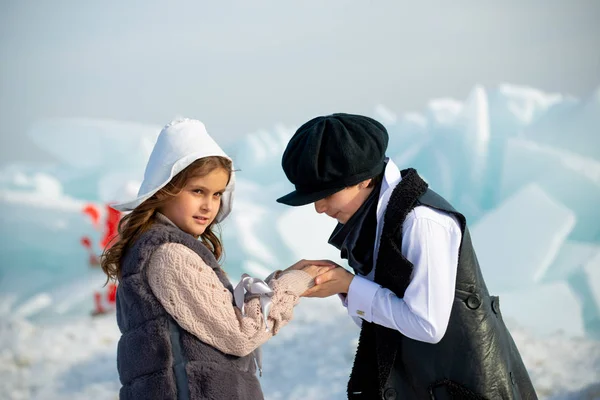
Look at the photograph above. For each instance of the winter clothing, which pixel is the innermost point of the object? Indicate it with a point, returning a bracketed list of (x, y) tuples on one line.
[(354, 239), (476, 358), (432, 332), (159, 356), (332, 152), (432, 242), (179, 144), (185, 289)]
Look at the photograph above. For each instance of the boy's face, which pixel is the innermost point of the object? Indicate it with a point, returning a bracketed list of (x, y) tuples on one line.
[(343, 204), (197, 205)]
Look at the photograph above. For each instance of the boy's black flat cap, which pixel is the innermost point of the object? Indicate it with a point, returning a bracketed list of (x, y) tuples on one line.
[(330, 153)]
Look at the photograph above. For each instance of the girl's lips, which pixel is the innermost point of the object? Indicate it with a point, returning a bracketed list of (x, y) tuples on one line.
[(201, 220)]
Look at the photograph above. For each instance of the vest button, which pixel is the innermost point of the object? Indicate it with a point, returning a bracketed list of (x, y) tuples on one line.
[(495, 306), (473, 302), (389, 394)]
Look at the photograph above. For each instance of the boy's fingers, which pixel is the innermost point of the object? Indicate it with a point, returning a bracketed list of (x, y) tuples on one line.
[(324, 277), (313, 270), (317, 270), (319, 262), (312, 291), (324, 290), (322, 270), (324, 262), (309, 292)]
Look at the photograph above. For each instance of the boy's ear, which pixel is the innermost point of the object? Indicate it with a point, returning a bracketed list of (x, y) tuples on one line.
[(365, 183)]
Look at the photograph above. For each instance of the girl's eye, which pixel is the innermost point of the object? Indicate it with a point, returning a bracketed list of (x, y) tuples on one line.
[(198, 191), (218, 194)]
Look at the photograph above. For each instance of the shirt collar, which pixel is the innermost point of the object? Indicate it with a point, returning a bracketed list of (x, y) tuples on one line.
[(391, 178)]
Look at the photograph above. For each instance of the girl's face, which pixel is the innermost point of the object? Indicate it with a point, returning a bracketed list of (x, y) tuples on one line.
[(197, 205), (343, 204)]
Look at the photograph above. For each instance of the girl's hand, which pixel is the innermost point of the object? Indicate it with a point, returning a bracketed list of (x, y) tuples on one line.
[(334, 281)]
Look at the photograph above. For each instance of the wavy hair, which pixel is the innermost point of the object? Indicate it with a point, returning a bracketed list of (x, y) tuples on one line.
[(138, 221)]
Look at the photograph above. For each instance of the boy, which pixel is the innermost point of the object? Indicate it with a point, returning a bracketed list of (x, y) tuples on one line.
[(430, 329)]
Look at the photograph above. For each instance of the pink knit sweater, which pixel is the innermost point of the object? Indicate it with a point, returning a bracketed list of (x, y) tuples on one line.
[(191, 292)]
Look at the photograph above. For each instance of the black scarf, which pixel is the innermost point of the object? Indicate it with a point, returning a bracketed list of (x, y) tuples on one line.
[(355, 239)]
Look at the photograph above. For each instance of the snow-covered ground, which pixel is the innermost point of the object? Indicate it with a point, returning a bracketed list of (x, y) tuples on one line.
[(311, 358)]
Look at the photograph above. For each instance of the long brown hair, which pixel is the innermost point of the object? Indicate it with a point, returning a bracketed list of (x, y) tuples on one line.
[(143, 216)]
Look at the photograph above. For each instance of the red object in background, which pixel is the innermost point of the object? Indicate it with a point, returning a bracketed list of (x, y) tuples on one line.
[(112, 226), (93, 212), (99, 309), (111, 293), (106, 303), (86, 242), (103, 302), (93, 258)]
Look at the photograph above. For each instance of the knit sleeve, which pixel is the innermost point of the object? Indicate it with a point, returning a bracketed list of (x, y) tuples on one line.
[(193, 295)]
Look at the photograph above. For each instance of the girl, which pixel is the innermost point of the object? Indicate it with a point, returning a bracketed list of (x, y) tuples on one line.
[(183, 337)]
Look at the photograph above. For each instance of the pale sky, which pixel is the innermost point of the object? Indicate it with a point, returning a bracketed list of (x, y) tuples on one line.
[(244, 65)]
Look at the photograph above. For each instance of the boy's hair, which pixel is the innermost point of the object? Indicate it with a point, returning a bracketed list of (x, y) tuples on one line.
[(376, 180), (138, 221)]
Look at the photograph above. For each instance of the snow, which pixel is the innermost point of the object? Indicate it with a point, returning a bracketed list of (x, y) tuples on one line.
[(310, 359), (519, 163)]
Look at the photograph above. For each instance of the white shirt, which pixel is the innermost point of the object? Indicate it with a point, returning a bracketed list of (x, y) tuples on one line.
[(430, 241)]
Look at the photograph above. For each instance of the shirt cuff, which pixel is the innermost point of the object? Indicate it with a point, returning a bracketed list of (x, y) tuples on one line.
[(344, 299), (360, 298)]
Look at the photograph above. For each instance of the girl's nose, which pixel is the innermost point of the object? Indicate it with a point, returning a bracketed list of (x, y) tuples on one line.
[(207, 204)]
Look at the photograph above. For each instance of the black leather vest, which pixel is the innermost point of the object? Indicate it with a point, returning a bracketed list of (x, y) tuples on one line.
[(477, 357)]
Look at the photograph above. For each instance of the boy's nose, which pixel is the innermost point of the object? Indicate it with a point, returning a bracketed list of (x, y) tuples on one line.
[(320, 206)]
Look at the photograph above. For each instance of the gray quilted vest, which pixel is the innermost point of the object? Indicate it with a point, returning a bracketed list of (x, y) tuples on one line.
[(158, 359)]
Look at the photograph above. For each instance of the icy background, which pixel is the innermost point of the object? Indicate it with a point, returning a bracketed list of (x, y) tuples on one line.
[(522, 165)]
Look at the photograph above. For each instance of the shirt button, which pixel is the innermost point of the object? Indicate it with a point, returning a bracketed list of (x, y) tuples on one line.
[(495, 306)]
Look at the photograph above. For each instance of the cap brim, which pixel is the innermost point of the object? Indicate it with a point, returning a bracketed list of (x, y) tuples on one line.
[(297, 198)]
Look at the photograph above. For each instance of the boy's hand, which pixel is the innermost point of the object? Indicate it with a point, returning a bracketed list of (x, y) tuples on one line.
[(331, 282), (305, 263), (317, 270)]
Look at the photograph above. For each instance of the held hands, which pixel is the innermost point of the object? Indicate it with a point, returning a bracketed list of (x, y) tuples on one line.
[(333, 281), (313, 267), (330, 278)]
